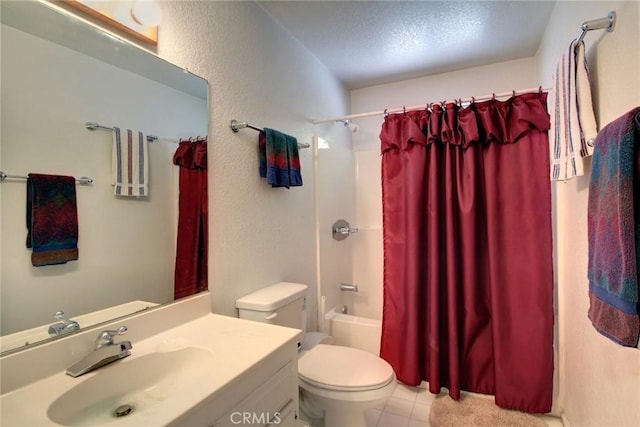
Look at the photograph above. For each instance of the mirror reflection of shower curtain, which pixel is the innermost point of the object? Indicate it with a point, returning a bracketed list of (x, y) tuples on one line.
[(192, 244), (468, 272)]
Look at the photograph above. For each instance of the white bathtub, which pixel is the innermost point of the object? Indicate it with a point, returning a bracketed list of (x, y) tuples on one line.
[(353, 331)]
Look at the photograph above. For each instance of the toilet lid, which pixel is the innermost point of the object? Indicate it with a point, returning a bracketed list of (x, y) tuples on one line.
[(343, 368)]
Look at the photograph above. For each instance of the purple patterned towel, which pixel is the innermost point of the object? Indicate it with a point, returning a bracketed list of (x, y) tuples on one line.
[(52, 219), (614, 231)]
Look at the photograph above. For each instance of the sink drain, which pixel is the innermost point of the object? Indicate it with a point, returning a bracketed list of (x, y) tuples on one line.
[(123, 410)]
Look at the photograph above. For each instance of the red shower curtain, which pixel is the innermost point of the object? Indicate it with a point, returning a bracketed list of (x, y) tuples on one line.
[(468, 273), (192, 246)]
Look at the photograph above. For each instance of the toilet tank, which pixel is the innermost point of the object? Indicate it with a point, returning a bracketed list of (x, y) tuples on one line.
[(280, 304)]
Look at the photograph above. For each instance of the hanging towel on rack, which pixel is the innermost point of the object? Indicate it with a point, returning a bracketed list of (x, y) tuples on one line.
[(130, 163), (573, 124), (52, 219), (613, 220), (279, 159)]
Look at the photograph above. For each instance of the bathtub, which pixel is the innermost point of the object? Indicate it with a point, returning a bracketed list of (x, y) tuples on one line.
[(353, 331)]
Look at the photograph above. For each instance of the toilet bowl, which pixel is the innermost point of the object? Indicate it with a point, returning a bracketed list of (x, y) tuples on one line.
[(341, 383), (336, 383)]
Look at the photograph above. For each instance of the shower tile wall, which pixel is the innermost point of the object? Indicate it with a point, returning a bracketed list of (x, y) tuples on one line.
[(367, 244)]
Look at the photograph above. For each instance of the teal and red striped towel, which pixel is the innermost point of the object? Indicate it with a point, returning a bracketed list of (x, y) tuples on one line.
[(613, 220)]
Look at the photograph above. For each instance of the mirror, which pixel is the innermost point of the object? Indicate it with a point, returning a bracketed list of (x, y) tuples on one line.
[(59, 72)]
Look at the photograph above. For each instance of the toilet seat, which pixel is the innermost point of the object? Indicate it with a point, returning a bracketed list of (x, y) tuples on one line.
[(341, 368)]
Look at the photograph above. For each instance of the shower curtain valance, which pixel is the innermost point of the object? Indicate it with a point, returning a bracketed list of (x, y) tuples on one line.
[(503, 122)]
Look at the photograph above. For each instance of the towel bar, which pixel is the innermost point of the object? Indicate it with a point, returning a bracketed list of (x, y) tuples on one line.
[(83, 180), (236, 126), (96, 126), (608, 23)]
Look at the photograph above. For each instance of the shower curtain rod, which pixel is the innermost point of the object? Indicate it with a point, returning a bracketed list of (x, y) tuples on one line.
[(422, 106)]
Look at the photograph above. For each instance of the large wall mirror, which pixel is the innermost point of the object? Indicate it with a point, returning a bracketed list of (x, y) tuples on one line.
[(59, 72)]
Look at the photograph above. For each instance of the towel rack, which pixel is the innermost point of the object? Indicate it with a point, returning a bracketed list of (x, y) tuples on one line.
[(608, 23), (236, 126), (96, 126), (83, 180)]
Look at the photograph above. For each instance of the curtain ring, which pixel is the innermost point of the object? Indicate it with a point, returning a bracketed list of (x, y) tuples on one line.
[(386, 114), (539, 89), (493, 97), (473, 99), (513, 93), (404, 110)]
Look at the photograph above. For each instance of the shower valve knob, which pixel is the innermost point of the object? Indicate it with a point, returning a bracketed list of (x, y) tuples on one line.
[(341, 229)]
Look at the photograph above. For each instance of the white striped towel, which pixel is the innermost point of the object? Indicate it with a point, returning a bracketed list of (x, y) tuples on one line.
[(130, 163), (573, 124)]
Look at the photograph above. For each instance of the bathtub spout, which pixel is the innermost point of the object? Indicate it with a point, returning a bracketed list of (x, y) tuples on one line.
[(347, 287)]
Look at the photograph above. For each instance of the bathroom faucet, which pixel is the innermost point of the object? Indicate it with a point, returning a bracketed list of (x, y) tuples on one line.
[(106, 351), (65, 325), (347, 287)]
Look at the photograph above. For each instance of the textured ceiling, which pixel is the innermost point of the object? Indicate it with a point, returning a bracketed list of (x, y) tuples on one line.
[(372, 42)]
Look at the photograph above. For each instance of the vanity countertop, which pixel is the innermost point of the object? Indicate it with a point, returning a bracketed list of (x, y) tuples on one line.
[(236, 345)]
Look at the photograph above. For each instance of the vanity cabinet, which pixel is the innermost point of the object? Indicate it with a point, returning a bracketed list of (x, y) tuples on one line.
[(264, 395)]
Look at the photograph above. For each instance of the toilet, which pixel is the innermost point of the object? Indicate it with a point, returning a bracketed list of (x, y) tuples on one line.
[(336, 383)]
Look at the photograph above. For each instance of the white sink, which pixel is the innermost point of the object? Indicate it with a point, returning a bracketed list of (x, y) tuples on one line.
[(189, 373), (131, 386)]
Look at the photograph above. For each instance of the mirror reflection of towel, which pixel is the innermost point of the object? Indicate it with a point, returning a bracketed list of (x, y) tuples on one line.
[(52, 219), (130, 163)]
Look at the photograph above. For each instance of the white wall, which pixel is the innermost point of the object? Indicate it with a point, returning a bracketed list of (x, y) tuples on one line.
[(257, 72), (600, 381), (48, 93), (367, 253)]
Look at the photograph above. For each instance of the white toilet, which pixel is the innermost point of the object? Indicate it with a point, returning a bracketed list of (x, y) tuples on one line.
[(337, 383)]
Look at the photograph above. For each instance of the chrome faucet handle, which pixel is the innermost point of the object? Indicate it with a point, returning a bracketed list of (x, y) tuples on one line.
[(345, 230), (106, 337), (64, 326), (341, 230)]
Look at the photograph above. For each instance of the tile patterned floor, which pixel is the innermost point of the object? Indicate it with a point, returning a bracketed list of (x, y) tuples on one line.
[(409, 407)]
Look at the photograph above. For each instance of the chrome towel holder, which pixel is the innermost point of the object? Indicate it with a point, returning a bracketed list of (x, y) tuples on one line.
[(83, 180), (608, 23), (236, 126)]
